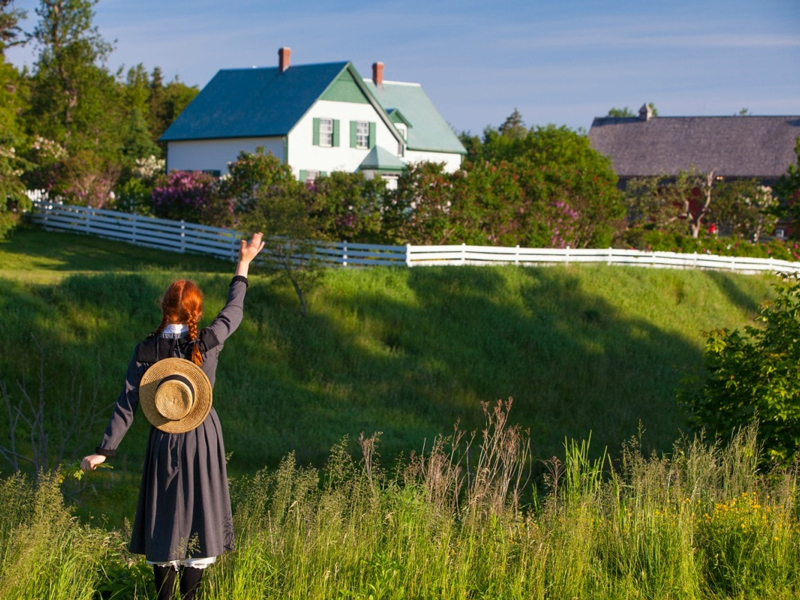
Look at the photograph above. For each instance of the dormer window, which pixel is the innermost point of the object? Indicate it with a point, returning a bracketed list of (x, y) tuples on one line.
[(402, 129)]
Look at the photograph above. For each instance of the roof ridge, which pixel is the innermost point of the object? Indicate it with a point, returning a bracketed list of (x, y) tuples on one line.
[(387, 81), (257, 68)]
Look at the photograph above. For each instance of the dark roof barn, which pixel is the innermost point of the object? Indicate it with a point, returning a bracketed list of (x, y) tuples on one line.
[(733, 147)]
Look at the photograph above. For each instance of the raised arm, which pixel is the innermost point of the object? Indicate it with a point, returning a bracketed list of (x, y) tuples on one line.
[(229, 318)]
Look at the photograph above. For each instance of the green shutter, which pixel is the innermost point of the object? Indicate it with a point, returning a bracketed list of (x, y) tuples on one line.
[(315, 135), (303, 175), (322, 173), (353, 133), (336, 133), (371, 143)]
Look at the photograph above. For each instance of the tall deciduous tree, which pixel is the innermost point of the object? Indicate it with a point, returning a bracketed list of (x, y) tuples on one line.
[(679, 204), (75, 101), (788, 187), (271, 200), (12, 91)]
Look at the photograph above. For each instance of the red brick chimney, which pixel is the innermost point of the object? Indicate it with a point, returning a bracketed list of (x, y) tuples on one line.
[(377, 73), (284, 58)]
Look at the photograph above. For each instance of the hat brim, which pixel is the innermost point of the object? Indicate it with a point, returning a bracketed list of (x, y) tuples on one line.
[(202, 394)]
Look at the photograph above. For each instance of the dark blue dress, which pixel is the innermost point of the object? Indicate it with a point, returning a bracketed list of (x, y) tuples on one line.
[(184, 508)]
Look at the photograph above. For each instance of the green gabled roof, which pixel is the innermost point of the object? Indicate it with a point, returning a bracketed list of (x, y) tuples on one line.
[(428, 130), (260, 102), (380, 159)]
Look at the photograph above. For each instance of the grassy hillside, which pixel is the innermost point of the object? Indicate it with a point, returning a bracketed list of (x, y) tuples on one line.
[(409, 352)]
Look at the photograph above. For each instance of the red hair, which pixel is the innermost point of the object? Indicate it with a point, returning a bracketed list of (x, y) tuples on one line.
[(182, 303)]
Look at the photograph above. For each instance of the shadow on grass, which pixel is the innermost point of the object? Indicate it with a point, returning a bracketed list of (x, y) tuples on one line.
[(411, 367), (34, 248), (408, 352)]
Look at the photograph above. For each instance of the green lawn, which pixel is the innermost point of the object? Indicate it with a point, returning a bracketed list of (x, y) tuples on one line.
[(583, 350)]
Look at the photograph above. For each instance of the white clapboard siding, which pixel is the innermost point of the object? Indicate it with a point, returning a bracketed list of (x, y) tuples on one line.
[(179, 236)]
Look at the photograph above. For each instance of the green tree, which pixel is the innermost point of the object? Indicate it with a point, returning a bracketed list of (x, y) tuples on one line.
[(678, 204), (267, 197), (10, 32), (621, 112), (754, 376), (788, 187), (513, 127), (12, 99), (347, 207), (568, 180), (137, 141), (743, 208), (419, 210), (167, 101), (74, 100)]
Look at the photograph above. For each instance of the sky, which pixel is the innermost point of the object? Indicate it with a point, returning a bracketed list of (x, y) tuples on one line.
[(555, 61)]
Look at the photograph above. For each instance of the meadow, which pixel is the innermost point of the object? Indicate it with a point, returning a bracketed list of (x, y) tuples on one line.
[(415, 510)]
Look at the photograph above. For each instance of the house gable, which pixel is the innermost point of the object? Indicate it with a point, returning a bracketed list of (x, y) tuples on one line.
[(345, 89)]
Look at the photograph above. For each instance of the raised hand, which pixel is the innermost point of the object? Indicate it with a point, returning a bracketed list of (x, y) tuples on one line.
[(248, 250)]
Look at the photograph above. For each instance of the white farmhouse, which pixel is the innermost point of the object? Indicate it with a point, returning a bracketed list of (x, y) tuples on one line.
[(316, 118)]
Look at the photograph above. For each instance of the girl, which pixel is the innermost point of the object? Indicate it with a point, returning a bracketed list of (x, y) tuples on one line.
[(183, 518)]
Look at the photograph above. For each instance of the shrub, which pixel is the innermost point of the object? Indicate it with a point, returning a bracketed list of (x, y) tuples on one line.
[(754, 376), (191, 196)]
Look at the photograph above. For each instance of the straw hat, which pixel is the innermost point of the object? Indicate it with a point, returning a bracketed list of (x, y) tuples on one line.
[(175, 395)]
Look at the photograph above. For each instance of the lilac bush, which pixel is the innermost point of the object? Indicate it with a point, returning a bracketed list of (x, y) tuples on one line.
[(191, 196)]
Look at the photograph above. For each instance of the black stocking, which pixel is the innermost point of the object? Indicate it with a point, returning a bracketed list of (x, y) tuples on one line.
[(190, 581), (165, 581)]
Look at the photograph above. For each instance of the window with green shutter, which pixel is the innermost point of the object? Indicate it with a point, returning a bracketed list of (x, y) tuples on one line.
[(326, 132), (364, 134), (353, 134)]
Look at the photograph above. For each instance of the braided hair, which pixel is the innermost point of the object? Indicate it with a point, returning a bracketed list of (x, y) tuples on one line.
[(182, 303)]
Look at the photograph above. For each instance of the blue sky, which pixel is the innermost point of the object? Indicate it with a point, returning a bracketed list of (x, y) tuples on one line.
[(556, 61)]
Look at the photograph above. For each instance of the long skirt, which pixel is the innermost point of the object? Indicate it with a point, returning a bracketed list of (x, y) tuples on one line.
[(184, 508)]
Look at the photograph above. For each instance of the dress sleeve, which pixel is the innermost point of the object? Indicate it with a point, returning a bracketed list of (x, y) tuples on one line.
[(232, 313), (124, 409)]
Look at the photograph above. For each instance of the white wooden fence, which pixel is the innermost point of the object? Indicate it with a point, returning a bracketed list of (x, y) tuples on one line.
[(179, 236)]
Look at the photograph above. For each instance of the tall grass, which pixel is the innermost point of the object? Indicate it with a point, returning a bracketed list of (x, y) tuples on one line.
[(455, 521), (44, 551), (701, 524)]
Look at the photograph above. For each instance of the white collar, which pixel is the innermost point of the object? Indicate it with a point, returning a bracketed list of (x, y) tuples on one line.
[(175, 330)]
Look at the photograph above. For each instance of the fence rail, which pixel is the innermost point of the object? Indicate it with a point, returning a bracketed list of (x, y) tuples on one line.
[(179, 236)]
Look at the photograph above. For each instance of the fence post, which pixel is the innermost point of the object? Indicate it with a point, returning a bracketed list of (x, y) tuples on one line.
[(516, 256), (133, 227), (610, 255), (694, 262), (183, 235), (88, 220), (463, 254), (408, 255), (344, 254), (566, 255)]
